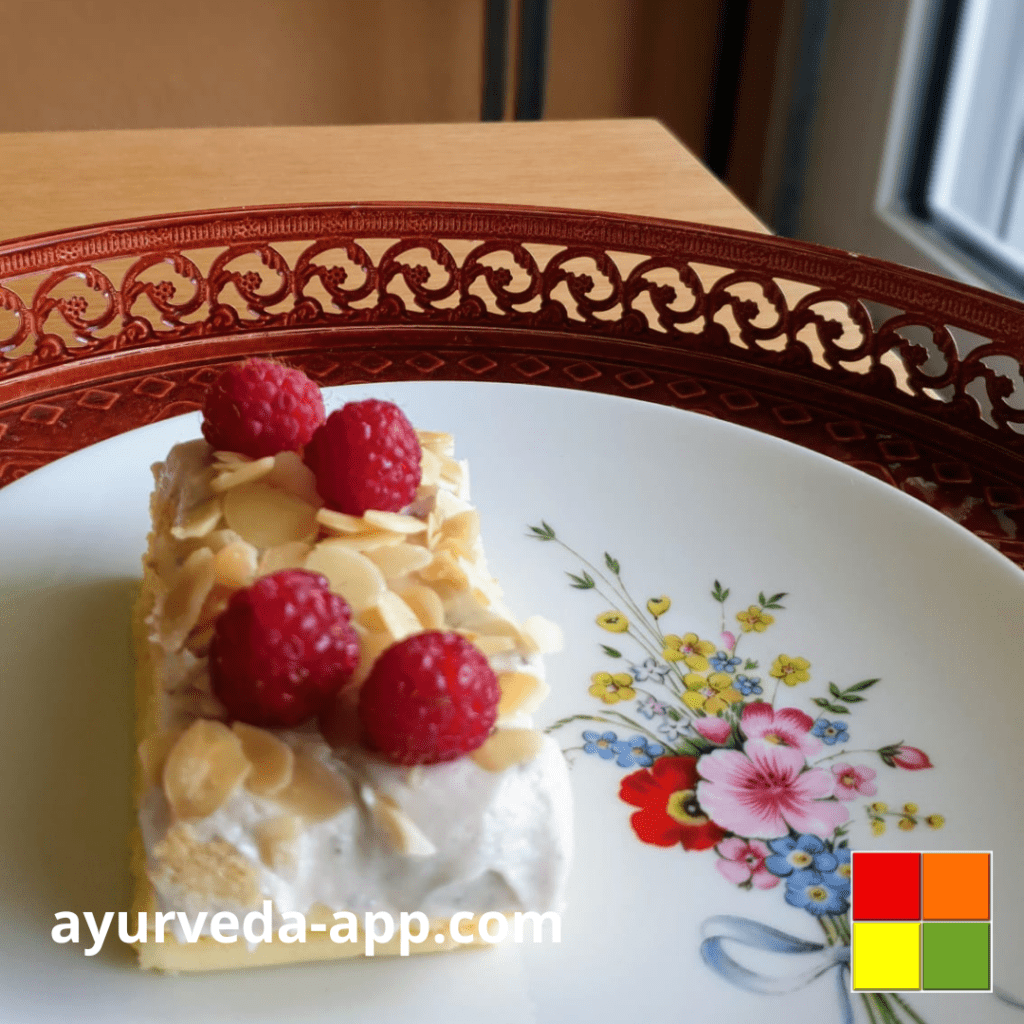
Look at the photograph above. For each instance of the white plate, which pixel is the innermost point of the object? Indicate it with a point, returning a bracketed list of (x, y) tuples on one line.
[(877, 586)]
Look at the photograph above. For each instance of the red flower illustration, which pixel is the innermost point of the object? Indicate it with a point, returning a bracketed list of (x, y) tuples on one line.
[(901, 756), (669, 813)]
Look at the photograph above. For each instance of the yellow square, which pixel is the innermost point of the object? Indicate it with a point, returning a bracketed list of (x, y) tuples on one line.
[(886, 955)]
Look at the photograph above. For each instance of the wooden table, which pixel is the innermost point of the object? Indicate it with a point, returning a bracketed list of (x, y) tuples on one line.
[(55, 180)]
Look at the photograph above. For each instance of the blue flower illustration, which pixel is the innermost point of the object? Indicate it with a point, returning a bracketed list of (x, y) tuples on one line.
[(651, 707), (804, 853), (722, 662), (748, 685), (830, 733), (840, 877), (673, 729), (649, 671), (637, 750), (599, 743), (816, 893)]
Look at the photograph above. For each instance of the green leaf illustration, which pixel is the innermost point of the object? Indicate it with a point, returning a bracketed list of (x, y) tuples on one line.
[(750, 663), (610, 651), (542, 532), (851, 698), (836, 709), (834, 690), (863, 685), (761, 599), (584, 582), (719, 594), (612, 563)]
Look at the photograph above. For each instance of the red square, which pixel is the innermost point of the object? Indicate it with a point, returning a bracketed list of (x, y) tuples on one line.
[(886, 886)]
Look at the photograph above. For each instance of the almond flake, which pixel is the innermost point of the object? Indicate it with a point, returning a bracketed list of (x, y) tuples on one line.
[(372, 540), (199, 521), (185, 599), (340, 522), (153, 751), (436, 441), (275, 840), (272, 759), (266, 516), (372, 644), (426, 605), (284, 556), (444, 568), (400, 559), (492, 645), (203, 769), (291, 474), (399, 619), (430, 468), (214, 870), (544, 633), (350, 574), (396, 522), (463, 527), (244, 473), (395, 827), (234, 565), (315, 793), (520, 693), (451, 471), (507, 748)]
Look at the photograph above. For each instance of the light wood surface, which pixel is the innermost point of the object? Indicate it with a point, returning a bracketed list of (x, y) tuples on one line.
[(55, 180)]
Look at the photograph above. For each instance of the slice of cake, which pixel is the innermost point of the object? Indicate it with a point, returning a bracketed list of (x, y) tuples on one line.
[(333, 702)]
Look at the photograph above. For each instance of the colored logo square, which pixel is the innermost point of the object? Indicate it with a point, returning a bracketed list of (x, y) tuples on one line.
[(957, 955), (955, 886), (886, 955), (886, 886)]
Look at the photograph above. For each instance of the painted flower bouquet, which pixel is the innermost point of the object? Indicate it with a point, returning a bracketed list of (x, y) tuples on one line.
[(724, 764)]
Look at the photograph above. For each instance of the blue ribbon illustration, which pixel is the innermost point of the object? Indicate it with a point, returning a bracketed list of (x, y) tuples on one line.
[(727, 927)]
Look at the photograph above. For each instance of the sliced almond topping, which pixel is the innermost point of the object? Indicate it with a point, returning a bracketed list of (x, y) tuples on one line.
[(398, 618), (372, 644), (315, 792), (216, 601), (203, 769), (291, 474), (234, 565), (221, 539), (243, 473), (396, 522), (214, 870), (430, 468), (283, 556), (340, 522), (426, 604), (463, 527), (436, 441), (153, 751), (451, 471), (396, 828), (267, 517), (185, 599), (350, 574), (492, 645), (198, 641), (275, 839), (199, 521), (545, 634), (230, 460), (507, 748), (483, 599), (520, 692), (370, 541), (272, 759), (444, 568), (400, 559)]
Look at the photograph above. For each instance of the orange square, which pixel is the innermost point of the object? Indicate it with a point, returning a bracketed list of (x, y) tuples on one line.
[(956, 886)]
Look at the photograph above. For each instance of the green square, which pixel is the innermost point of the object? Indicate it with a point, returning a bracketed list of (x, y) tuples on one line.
[(956, 955)]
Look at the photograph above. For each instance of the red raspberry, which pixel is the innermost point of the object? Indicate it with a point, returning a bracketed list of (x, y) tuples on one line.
[(366, 455), (431, 697), (282, 649), (261, 408)]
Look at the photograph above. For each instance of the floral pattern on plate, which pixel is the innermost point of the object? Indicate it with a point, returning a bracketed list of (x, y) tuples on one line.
[(725, 764)]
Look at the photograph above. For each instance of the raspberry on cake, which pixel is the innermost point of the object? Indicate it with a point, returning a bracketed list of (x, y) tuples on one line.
[(334, 703)]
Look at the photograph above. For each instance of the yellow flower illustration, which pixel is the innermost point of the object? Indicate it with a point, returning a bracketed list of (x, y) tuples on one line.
[(657, 606), (614, 622), (612, 688), (907, 824), (879, 807), (877, 827), (711, 694), (791, 670), (754, 618), (935, 820), (910, 808), (690, 650)]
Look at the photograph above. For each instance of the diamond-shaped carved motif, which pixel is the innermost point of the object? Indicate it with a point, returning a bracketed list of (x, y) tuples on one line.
[(153, 387), (791, 415), (478, 363), (875, 469), (96, 398), (899, 450), (634, 379), (581, 372), (1004, 497), (531, 366), (318, 367), (739, 401), (205, 377), (425, 362), (42, 415), (846, 430), (952, 472), (372, 363), (687, 389)]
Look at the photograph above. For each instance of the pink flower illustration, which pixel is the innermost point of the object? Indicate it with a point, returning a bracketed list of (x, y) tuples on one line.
[(910, 758), (853, 781), (729, 640), (764, 791), (713, 728), (742, 860), (786, 727)]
